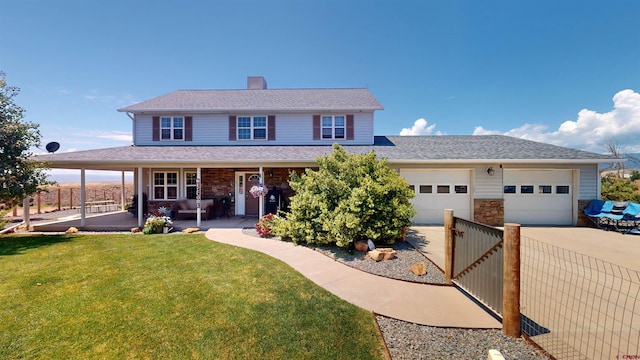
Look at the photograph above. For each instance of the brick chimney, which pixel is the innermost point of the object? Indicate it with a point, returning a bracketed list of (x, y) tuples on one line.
[(256, 83)]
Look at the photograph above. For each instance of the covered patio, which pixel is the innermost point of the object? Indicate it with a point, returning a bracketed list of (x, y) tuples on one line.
[(123, 221)]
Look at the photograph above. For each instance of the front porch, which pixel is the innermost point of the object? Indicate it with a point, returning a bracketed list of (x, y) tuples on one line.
[(122, 221)]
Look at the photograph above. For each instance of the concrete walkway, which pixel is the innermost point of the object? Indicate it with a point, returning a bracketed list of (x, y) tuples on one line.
[(442, 306)]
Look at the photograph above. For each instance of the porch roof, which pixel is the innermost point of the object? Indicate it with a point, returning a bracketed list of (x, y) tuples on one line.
[(397, 149)]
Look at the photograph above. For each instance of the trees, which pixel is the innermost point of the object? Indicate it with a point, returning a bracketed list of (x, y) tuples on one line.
[(20, 176), (618, 166), (617, 189), (350, 197)]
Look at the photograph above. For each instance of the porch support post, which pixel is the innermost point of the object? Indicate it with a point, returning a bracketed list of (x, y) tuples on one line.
[(140, 198), (198, 197), (83, 199), (261, 198), (25, 211), (122, 194)]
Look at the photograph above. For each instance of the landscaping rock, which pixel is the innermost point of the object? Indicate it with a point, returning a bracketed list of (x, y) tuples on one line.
[(135, 230), (72, 230), (191, 230), (361, 246), (419, 269), (382, 254)]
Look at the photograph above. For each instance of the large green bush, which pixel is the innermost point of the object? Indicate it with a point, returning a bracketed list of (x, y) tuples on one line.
[(349, 198)]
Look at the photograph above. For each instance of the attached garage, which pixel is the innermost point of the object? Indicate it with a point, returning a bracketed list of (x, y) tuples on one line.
[(437, 190), (538, 197)]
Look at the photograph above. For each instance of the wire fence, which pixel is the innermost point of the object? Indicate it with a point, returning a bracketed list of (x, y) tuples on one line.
[(578, 307)]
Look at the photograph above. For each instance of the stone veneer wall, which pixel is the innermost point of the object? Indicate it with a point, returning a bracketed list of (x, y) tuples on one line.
[(488, 211)]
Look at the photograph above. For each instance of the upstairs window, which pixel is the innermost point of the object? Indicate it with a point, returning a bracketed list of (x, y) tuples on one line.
[(171, 128), (333, 127), (252, 127)]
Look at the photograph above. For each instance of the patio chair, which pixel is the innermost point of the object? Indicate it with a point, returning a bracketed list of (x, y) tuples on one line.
[(597, 210), (631, 218)]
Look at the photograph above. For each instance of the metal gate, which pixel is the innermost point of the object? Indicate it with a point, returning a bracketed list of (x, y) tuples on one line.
[(478, 261)]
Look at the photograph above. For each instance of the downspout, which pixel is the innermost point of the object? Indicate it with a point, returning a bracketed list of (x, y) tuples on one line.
[(133, 127)]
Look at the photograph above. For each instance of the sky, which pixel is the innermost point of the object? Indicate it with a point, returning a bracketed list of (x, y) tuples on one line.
[(563, 72)]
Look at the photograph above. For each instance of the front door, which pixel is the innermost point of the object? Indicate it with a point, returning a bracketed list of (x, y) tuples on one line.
[(251, 203)]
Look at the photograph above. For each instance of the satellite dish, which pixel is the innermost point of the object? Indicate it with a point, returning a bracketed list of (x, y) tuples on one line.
[(52, 147)]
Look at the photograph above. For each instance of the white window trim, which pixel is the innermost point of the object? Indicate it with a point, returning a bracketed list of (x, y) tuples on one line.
[(166, 185), (333, 127), (171, 128), (252, 127), (186, 185)]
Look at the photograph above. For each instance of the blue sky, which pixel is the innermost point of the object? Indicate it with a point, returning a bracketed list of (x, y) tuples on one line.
[(565, 72)]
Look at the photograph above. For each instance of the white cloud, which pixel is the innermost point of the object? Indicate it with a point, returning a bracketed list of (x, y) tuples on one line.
[(591, 130), (420, 127), (124, 136)]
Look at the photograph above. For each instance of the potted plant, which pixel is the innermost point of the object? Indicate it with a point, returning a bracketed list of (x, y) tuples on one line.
[(158, 223)]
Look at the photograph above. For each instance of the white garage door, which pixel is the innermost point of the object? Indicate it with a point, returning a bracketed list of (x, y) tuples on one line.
[(538, 197), (437, 190)]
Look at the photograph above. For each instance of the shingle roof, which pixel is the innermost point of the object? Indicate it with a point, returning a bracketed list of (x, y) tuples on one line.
[(398, 149), (260, 100)]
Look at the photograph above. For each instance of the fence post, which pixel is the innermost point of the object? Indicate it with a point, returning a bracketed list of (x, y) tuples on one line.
[(38, 203), (70, 198), (511, 281), (59, 198), (448, 245)]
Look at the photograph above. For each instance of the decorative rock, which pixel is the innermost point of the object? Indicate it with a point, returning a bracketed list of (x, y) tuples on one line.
[(72, 230), (135, 230), (419, 269), (371, 245), (191, 230), (361, 246), (382, 254)]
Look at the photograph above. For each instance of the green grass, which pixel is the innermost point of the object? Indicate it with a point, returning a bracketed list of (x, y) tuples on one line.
[(169, 297)]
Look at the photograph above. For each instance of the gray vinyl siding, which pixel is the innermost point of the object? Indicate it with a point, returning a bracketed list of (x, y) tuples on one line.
[(488, 187), (589, 178), (291, 129)]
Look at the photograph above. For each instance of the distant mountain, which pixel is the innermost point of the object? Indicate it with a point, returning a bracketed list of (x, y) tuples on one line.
[(630, 164)]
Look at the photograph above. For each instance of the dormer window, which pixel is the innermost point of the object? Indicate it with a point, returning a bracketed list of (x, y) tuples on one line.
[(171, 128), (333, 127), (252, 127)]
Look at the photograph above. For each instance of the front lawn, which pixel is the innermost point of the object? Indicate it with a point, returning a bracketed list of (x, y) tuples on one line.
[(167, 296)]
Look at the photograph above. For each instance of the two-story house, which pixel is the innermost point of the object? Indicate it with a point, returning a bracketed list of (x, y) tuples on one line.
[(219, 143)]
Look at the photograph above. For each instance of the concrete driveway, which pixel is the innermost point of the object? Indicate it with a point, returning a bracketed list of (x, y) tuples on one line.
[(578, 306)]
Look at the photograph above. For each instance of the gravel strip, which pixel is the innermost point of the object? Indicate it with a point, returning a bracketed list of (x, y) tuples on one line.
[(411, 341), (396, 268)]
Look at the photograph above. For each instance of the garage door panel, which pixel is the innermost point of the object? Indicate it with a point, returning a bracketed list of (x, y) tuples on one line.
[(430, 206), (546, 205)]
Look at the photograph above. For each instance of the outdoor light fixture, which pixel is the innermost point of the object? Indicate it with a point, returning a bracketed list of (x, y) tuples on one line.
[(490, 171)]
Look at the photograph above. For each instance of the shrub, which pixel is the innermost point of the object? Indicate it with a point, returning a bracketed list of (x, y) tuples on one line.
[(264, 225), (349, 198)]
